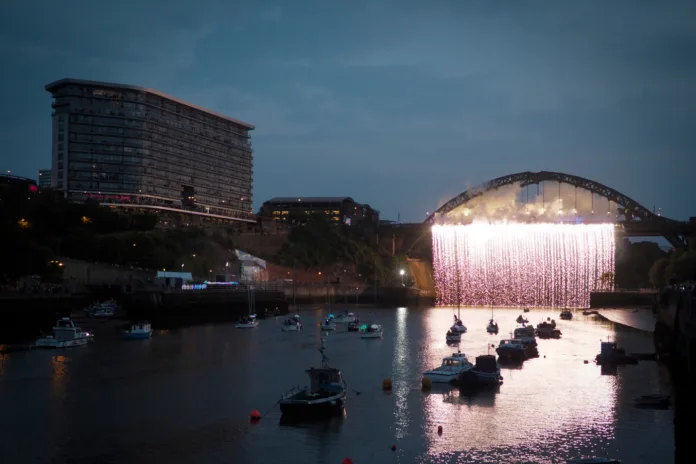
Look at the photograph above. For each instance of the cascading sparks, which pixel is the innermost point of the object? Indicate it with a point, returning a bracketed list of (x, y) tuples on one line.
[(551, 265)]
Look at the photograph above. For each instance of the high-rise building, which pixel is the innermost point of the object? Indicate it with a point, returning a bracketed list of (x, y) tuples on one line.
[(132, 147), (44, 178)]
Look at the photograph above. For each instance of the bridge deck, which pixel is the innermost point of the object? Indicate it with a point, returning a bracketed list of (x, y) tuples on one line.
[(641, 319)]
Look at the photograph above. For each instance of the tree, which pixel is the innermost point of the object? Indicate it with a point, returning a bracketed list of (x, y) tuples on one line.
[(658, 273)]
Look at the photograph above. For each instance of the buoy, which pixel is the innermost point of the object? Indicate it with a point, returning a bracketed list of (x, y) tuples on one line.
[(544, 356), (439, 430), (426, 383), (255, 415), (387, 384), (393, 448), (586, 361), (347, 461)]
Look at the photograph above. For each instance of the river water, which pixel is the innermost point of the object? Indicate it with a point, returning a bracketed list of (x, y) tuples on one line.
[(185, 396)]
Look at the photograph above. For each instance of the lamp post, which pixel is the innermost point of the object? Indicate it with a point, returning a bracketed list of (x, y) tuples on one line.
[(402, 273)]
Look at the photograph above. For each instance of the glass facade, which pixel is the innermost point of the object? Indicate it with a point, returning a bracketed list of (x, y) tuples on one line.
[(44, 178), (125, 144)]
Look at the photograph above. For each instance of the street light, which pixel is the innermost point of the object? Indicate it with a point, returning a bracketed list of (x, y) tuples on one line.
[(182, 268), (402, 273)]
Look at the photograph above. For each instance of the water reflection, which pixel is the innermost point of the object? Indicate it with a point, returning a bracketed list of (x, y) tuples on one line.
[(401, 373), (59, 376)]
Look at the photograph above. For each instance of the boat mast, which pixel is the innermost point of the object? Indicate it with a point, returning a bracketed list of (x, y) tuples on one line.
[(324, 359), (456, 262)]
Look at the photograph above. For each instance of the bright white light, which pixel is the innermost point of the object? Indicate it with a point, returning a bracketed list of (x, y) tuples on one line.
[(553, 265), (402, 272)]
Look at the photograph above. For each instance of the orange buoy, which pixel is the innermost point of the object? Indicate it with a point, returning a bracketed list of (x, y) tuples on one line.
[(439, 430), (347, 461), (393, 448), (255, 415)]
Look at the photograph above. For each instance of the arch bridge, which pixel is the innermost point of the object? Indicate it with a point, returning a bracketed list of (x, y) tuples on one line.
[(632, 219)]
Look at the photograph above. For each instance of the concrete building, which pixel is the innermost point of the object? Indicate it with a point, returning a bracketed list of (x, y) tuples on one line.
[(140, 149), (298, 210), (44, 178)]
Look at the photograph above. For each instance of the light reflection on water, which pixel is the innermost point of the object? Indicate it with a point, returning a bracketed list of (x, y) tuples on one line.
[(185, 395)]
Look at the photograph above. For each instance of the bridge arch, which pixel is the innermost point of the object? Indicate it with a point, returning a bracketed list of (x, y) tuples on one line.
[(633, 209)]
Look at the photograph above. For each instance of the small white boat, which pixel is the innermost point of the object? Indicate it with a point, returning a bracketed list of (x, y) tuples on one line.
[(327, 325), (450, 370), (492, 327), (371, 331), (138, 331), (65, 335), (247, 322), (458, 326), (292, 325), (453, 337), (344, 318)]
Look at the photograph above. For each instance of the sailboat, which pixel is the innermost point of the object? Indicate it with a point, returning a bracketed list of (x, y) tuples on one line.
[(454, 333), (492, 325), (249, 322)]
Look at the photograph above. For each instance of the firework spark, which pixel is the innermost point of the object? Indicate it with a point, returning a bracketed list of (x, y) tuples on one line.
[(551, 265)]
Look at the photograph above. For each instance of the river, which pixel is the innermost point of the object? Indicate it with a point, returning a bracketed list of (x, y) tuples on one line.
[(185, 397)]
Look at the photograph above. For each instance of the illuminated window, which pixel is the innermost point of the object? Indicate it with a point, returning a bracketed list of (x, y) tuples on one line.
[(276, 213), (335, 218), (336, 212), (285, 213)]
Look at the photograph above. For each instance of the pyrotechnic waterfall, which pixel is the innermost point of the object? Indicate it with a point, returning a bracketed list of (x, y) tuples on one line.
[(553, 265)]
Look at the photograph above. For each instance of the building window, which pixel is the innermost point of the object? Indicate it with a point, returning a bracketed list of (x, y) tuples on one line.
[(61, 137)]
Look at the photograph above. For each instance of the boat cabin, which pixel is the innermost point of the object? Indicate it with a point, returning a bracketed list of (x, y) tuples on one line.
[(140, 327), (66, 330), (454, 361), (510, 344), (325, 380), (486, 363)]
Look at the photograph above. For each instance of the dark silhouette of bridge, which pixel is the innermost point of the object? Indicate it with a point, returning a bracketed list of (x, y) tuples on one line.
[(632, 219)]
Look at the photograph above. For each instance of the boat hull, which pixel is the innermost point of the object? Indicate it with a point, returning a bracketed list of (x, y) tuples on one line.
[(328, 328), (458, 328), (291, 328), (487, 378), (492, 329), (137, 335), (371, 335), (453, 338), (343, 319), (322, 408), (511, 354), (52, 343), (248, 325)]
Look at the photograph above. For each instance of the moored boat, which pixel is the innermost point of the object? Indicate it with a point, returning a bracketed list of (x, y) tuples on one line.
[(547, 330), (354, 326), (327, 324), (247, 322), (453, 337), (611, 354), (325, 396), (485, 372), (450, 370), (65, 335), (566, 314), (492, 327), (138, 330), (458, 326), (521, 319), (292, 324), (371, 331), (511, 350), (344, 318)]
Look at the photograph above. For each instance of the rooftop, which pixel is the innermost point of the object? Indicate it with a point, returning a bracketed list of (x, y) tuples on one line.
[(53, 86), (308, 199)]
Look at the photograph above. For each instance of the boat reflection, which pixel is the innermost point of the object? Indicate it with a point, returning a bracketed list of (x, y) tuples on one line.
[(474, 396)]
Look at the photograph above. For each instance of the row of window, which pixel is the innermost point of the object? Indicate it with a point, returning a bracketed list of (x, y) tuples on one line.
[(136, 138)]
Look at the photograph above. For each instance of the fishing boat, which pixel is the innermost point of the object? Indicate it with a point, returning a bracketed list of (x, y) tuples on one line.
[(450, 370), (453, 337), (325, 395), (65, 335), (521, 319), (292, 324), (611, 354), (247, 322), (511, 350), (354, 326), (492, 327), (371, 331), (344, 318), (327, 324), (138, 330), (566, 314), (547, 330), (486, 372)]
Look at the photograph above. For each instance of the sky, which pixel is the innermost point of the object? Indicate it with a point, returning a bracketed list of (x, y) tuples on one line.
[(401, 104)]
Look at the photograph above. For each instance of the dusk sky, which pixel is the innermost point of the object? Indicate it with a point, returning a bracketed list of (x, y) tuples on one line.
[(400, 104)]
